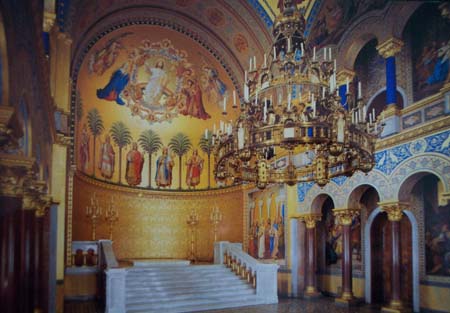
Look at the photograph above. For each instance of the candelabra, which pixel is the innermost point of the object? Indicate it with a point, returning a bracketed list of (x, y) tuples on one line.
[(215, 218), (192, 221), (111, 216), (93, 213)]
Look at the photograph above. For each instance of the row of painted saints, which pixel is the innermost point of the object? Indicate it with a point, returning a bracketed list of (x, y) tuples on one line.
[(157, 82), (266, 239), (135, 162)]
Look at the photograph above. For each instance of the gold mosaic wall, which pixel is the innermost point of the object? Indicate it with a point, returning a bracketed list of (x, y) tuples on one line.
[(152, 224)]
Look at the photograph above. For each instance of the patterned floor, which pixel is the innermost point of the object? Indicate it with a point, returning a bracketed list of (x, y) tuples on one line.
[(284, 306)]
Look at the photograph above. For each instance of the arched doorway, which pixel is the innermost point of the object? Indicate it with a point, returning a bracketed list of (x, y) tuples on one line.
[(381, 252), (329, 243)]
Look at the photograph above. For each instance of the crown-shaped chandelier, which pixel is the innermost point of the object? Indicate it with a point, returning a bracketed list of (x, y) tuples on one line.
[(293, 127)]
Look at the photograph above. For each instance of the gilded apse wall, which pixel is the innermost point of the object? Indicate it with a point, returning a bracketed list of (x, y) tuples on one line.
[(153, 224)]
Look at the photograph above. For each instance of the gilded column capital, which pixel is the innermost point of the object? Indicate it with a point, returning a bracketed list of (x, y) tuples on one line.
[(33, 193), (14, 170), (7, 138), (344, 216), (49, 21), (63, 140), (310, 219), (344, 75), (390, 47), (394, 209)]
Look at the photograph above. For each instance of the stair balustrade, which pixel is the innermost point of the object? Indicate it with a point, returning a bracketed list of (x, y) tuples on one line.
[(262, 276)]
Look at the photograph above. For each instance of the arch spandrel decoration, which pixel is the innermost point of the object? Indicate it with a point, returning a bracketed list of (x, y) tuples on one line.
[(429, 154), (141, 77)]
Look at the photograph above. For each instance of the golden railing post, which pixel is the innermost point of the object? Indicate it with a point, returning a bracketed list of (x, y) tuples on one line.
[(215, 218), (111, 216)]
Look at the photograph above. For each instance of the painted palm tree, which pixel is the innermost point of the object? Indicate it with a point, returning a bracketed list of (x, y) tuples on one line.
[(150, 142), (95, 125), (207, 147), (121, 135), (180, 144)]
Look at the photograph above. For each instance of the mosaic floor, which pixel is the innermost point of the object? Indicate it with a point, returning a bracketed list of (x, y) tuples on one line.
[(284, 306)]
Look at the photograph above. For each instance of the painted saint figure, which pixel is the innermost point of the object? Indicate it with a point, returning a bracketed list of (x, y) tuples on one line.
[(194, 169), (164, 166), (84, 149), (107, 156), (135, 161), (193, 105)]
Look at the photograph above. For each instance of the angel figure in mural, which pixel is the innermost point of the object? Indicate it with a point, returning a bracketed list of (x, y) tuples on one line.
[(107, 158), (164, 165), (156, 84), (121, 77), (104, 58), (135, 162), (193, 102), (84, 148), (441, 67), (194, 169), (213, 86)]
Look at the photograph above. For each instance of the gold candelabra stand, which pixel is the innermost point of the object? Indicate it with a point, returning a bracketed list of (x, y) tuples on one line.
[(111, 216), (192, 221), (93, 213), (215, 218)]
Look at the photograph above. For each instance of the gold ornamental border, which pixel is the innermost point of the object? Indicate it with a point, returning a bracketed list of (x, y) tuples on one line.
[(160, 193)]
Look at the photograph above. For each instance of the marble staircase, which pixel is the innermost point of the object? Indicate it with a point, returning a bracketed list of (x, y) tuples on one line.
[(186, 288), (236, 279)]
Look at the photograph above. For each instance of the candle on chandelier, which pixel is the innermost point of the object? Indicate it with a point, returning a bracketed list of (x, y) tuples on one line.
[(323, 92), (314, 54), (274, 53), (246, 93), (234, 98), (250, 65), (245, 77), (302, 48), (289, 44), (347, 83), (224, 104), (265, 60), (329, 51), (373, 114), (254, 62), (359, 90), (206, 133), (289, 102)]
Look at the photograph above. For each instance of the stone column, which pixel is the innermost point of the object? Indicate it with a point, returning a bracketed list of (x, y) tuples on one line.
[(344, 217), (311, 285), (394, 212), (388, 50)]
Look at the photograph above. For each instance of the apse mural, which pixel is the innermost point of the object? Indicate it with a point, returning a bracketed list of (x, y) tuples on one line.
[(145, 96), (266, 239), (430, 48)]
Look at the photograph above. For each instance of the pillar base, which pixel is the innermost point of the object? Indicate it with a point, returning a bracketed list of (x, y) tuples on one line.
[(395, 307), (311, 293), (347, 300)]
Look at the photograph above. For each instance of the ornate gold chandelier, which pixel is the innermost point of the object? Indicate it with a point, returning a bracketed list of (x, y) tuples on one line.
[(293, 127)]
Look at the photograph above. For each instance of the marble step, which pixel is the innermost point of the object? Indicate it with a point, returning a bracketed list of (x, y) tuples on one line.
[(152, 297), (176, 269), (193, 290), (180, 281), (194, 303), (166, 275)]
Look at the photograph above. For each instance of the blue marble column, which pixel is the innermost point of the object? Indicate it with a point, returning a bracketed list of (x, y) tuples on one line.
[(388, 50), (391, 81), (343, 95)]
